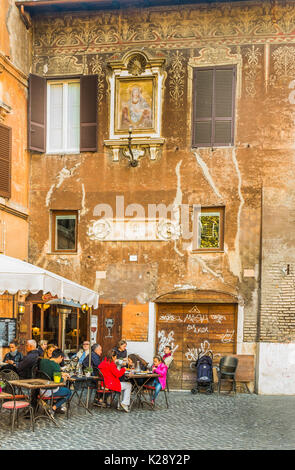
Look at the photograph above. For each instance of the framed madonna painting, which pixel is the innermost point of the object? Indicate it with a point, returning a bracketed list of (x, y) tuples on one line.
[(135, 105)]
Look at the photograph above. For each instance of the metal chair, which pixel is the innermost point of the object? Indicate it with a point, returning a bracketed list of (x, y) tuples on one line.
[(8, 374), (102, 392), (151, 388), (167, 381), (49, 398), (14, 406), (227, 372)]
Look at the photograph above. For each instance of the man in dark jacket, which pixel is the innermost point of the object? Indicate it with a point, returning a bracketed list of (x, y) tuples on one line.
[(13, 357), (24, 368), (96, 352)]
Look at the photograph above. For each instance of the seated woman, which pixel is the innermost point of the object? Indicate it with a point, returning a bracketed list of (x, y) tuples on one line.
[(48, 351), (82, 353), (133, 359), (111, 375), (121, 351), (159, 383)]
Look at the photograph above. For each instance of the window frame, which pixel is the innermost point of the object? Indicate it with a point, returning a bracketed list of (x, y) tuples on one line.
[(205, 209), (213, 118), (54, 214), (65, 82)]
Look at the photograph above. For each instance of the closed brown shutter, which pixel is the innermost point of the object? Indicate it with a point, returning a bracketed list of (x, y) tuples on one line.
[(88, 113), (37, 113), (213, 111), (5, 161)]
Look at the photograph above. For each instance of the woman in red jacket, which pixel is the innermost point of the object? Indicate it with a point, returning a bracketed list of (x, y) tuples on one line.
[(111, 375)]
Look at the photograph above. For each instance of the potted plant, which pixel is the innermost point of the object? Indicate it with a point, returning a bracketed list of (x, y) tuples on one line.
[(88, 371), (2, 385)]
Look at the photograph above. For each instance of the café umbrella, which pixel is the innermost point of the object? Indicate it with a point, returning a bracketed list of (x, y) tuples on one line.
[(17, 276)]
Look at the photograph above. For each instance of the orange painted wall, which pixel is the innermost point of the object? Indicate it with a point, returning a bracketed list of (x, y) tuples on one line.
[(14, 59)]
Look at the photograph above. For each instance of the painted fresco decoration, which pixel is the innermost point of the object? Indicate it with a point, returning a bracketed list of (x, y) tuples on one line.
[(176, 78), (195, 25)]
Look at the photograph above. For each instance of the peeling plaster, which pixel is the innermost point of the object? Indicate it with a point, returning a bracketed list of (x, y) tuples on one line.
[(43, 260), (207, 174), (84, 210), (178, 197), (177, 203), (206, 269), (62, 175), (237, 264)]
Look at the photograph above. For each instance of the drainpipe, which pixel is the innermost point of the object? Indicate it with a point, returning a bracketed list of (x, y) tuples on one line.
[(258, 329)]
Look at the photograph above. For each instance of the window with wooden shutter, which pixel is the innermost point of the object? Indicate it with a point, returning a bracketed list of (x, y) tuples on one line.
[(37, 113), (88, 113), (213, 106), (63, 116), (5, 161)]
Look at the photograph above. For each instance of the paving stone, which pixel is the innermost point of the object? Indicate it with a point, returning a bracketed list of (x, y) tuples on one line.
[(192, 422)]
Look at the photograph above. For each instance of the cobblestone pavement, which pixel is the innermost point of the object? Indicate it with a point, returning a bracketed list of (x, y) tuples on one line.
[(192, 422)]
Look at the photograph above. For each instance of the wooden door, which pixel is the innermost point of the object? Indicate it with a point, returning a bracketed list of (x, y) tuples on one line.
[(170, 332), (191, 329), (109, 325)]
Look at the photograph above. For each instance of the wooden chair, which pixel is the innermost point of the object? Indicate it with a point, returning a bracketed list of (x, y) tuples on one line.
[(14, 405)]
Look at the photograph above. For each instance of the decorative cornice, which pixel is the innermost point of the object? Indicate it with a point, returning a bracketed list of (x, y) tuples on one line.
[(15, 212), (7, 66), (4, 109)]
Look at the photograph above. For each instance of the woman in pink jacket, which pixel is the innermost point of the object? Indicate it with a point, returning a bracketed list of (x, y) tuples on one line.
[(159, 383)]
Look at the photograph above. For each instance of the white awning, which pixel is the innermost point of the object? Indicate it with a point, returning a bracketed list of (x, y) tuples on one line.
[(19, 276)]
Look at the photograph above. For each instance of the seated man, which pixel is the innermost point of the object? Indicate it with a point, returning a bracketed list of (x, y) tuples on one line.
[(49, 366), (96, 352), (25, 366), (13, 357), (168, 358)]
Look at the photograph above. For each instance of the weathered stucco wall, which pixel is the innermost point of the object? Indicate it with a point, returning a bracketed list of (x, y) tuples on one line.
[(259, 37), (15, 59)]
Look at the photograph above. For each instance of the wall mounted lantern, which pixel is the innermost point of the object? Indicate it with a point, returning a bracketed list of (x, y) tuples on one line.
[(132, 154)]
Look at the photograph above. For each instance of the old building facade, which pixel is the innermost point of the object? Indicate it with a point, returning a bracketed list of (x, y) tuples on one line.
[(15, 62), (185, 229)]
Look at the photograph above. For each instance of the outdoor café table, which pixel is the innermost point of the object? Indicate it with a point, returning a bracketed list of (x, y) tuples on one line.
[(84, 382), (138, 387), (36, 384)]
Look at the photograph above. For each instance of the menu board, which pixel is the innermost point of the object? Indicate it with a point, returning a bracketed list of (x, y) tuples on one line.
[(7, 331)]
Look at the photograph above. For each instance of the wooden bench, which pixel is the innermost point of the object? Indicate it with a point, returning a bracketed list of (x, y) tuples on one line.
[(245, 373)]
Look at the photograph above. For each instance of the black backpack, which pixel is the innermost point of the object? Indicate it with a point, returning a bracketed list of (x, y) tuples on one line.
[(204, 370)]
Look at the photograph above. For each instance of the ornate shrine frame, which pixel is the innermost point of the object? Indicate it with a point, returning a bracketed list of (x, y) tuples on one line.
[(135, 70)]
